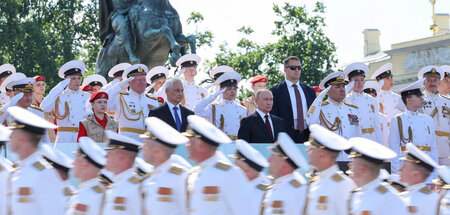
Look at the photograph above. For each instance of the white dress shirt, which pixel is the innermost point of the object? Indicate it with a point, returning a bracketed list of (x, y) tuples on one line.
[(173, 112), (263, 116), (294, 102)]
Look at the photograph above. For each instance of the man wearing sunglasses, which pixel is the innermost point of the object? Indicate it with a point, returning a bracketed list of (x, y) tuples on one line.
[(291, 100)]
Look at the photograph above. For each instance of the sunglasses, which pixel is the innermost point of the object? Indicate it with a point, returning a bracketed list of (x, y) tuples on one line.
[(294, 67)]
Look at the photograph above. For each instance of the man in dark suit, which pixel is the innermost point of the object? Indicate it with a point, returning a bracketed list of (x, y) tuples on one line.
[(172, 112), (261, 126), (292, 99)]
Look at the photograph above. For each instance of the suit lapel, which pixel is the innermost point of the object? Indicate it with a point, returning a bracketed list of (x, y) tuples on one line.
[(308, 97), (183, 118), (275, 127), (169, 116), (262, 125), (285, 94)]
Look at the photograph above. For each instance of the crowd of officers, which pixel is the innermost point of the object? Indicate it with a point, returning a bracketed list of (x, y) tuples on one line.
[(362, 128)]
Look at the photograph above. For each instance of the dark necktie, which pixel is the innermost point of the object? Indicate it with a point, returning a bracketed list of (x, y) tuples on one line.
[(177, 118), (268, 125), (298, 100)]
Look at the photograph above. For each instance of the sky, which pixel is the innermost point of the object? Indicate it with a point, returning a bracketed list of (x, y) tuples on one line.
[(397, 20)]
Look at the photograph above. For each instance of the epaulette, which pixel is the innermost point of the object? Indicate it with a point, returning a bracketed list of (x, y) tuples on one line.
[(193, 169), (98, 189), (135, 180), (295, 183), (37, 108), (356, 189), (425, 190), (336, 177), (351, 105), (68, 192), (176, 170), (215, 103), (325, 103), (222, 166), (445, 96), (124, 93), (1, 168), (38, 165), (151, 96), (311, 109), (446, 187), (382, 189), (145, 176), (263, 187)]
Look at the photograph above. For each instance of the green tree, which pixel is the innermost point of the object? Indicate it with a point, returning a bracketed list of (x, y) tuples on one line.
[(299, 34), (38, 36)]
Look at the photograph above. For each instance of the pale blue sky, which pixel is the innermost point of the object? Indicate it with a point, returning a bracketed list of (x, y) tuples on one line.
[(397, 20)]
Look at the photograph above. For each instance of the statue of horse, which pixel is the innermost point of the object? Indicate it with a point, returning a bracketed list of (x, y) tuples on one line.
[(157, 34)]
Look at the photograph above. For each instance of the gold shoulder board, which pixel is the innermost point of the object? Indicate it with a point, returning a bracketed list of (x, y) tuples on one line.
[(382, 189), (336, 177), (68, 192), (134, 180), (37, 108), (145, 176), (263, 187), (311, 109), (176, 170), (356, 190), (150, 96), (351, 105), (98, 189), (222, 166), (446, 187), (38, 165), (445, 96), (295, 183), (325, 103), (123, 93), (193, 169), (425, 190)]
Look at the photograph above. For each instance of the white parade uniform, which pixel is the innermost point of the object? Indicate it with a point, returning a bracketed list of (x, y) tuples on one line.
[(220, 188), (193, 94), (341, 118), (89, 199), (286, 196), (6, 170), (125, 195), (330, 193), (4, 99), (388, 102), (165, 189), (368, 115), (259, 186), (383, 120), (420, 200), (438, 107), (34, 109), (226, 114), (36, 188), (66, 192), (444, 203), (376, 198), (69, 110), (412, 127), (130, 110)]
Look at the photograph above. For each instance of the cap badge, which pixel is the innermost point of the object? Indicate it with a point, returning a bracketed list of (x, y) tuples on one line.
[(139, 69), (433, 70)]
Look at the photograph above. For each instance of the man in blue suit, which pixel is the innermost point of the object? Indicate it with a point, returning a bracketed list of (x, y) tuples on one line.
[(291, 100)]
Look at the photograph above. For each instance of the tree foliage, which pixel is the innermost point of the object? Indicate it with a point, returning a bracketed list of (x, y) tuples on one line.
[(298, 34)]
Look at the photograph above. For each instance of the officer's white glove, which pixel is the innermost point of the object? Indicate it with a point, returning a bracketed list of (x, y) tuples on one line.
[(63, 84), (323, 93), (123, 84), (149, 88), (12, 102), (109, 85), (180, 73), (380, 84), (349, 87)]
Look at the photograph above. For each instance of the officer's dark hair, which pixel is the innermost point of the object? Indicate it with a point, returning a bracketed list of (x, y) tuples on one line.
[(406, 97), (286, 60)]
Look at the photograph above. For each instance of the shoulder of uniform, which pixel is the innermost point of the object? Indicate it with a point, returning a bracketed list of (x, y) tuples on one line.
[(135, 180), (215, 103), (39, 166), (425, 190), (146, 175), (124, 93), (176, 169), (381, 189), (445, 96), (337, 178), (399, 114), (223, 166), (68, 192), (263, 187), (151, 96), (325, 103), (193, 169), (350, 104), (37, 108), (295, 183), (98, 189)]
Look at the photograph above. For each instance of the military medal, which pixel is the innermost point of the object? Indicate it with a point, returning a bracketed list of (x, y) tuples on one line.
[(353, 119)]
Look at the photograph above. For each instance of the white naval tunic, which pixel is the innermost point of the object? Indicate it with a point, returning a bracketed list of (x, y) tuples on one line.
[(341, 118), (259, 186), (376, 198), (193, 94), (225, 114), (286, 196), (6, 170), (388, 102), (36, 110), (69, 110), (35, 188), (444, 203), (438, 107), (125, 195), (330, 193), (420, 200), (89, 199), (421, 128), (165, 189), (220, 188), (4, 99), (369, 120)]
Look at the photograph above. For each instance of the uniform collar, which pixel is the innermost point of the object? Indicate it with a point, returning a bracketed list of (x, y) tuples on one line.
[(371, 185), (408, 112), (228, 101), (362, 93), (73, 91), (430, 94), (161, 168), (416, 187), (284, 178), (132, 92), (89, 183), (335, 102), (124, 175), (385, 91), (328, 172), (189, 82), (30, 160), (261, 179), (209, 161)]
